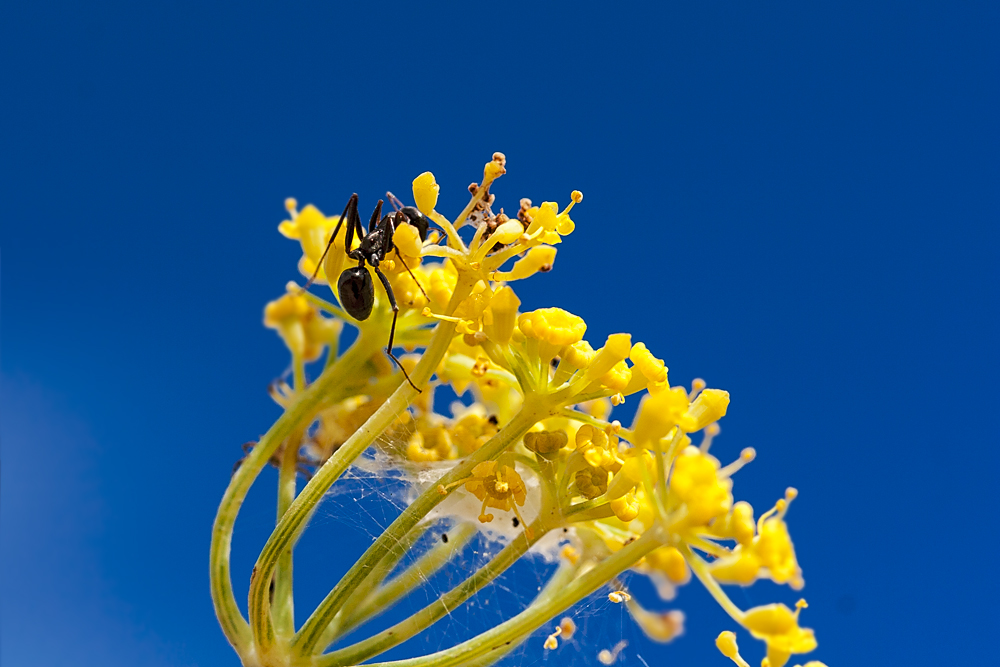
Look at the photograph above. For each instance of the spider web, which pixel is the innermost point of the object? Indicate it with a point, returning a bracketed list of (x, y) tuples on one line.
[(371, 494)]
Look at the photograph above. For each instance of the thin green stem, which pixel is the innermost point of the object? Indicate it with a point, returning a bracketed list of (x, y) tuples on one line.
[(297, 415), (700, 569), (284, 610), (409, 579), (494, 642), (454, 240), (562, 576), (344, 618), (326, 306), (284, 614), (433, 612)]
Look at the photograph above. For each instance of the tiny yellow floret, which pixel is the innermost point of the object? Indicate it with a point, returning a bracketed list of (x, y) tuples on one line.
[(658, 414), (709, 407), (425, 192), (726, 643)]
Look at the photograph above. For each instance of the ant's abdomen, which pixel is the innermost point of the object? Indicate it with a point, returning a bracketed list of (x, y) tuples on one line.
[(357, 292)]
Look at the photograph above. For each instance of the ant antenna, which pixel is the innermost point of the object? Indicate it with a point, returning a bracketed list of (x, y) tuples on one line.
[(396, 204)]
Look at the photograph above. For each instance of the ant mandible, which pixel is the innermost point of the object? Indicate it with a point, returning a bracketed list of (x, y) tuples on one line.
[(357, 292)]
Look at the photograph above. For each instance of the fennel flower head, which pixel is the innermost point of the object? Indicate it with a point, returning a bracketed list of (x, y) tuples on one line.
[(530, 456)]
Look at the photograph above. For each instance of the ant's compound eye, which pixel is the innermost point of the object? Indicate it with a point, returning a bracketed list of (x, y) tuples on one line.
[(357, 292)]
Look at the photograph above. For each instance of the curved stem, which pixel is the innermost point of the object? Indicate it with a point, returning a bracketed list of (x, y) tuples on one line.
[(343, 621), (294, 520), (409, 579), (284, 611), (494, 642), (284, 615), (700, 569), (233, 624), (433, 612)]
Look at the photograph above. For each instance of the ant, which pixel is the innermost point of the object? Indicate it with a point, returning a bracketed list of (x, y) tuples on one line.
[(357, 292)]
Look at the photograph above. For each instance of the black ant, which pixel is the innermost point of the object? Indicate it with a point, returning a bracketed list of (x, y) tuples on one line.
[(357, 292)]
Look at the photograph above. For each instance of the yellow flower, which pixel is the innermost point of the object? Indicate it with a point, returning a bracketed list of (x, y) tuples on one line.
[(442, 284), (500, 316), (498, 485), (407, 240), (471, 432), (625, 507), (425, 192), (658, 414), (553, 328), (710, 406), (591, 481), (405, 288), (776, 552), (616, 349), (771, 549), (312, 230), (652, 368), (670, 561), (726, 643), (636, 466), (539, 258), (778, 626), (300, 325), (618, 378), (661, 627), (579, 355), (430, 443), (545, 442), (695, 483)]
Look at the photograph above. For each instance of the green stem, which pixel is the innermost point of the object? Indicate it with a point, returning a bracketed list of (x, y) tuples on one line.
[(563, 575), (700, 569), (284, 611), (493, 642), (296, 416), (294, 520), (409, 579), (343, 621), (284, 614), (309, 634), (418, 622)]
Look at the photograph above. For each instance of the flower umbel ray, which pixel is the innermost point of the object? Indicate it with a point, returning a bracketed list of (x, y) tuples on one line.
[(532, 443)]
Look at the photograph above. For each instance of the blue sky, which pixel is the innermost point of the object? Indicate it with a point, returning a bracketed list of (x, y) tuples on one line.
[(796, 202)]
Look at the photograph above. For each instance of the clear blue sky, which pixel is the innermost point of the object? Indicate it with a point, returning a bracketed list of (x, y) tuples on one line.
[(796, 201)]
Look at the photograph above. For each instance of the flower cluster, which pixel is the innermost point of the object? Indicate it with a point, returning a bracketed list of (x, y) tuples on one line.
[(529, 441)]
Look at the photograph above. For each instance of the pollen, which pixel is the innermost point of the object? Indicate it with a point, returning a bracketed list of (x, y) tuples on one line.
[(619, 597), (551, 643)]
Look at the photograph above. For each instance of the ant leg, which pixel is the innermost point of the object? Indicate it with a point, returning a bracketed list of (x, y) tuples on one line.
[(351, 213), (373, 223), (392, 330), (394, 224), (419, 286)]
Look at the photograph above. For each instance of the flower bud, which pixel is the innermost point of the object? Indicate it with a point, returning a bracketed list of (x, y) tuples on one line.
[(710, 406), (425, 192), (659, 413)]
